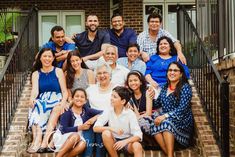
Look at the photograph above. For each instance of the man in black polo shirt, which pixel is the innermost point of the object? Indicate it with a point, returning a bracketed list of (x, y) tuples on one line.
[(92, 42)]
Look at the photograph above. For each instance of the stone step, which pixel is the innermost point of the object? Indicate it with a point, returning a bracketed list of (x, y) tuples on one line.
[(148, 153)]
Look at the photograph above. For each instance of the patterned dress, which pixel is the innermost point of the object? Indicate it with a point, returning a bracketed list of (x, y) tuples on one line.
[(49, 96), (180, 121)]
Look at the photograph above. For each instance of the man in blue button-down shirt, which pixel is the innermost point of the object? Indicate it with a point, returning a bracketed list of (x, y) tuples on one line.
[(58, 44), (121, 36), (92, 42)]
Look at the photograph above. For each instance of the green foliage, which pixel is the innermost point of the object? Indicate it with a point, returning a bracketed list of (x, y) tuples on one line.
[(7, 21)]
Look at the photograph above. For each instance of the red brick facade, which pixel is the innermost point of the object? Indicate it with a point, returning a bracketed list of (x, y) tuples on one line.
[(131, 9), (227, 67)]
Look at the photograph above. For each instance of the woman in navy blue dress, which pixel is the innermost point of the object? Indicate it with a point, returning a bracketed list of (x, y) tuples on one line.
[(48, 90), (175, 122)]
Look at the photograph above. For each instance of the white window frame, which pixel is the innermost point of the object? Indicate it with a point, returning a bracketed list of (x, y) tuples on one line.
[(164, 4), (145, 18), (60, 14), (82, 14), (112, 8), (45, 13)]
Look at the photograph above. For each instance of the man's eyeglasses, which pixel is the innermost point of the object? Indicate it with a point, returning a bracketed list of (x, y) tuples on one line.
[(173, 70)]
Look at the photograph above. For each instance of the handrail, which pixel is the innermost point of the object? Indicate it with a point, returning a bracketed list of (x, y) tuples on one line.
[(212, 88), (202, 45), (16, 69), (13, 49)]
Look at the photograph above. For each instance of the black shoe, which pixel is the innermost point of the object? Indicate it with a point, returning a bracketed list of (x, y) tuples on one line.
[(50, 150), (42, 150)]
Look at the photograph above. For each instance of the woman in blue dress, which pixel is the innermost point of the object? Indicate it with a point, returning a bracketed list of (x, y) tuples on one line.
[(175, 121), (157, 65), (48, 90)]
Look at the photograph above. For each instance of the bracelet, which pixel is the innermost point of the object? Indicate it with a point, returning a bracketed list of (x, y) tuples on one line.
[(166, 115)]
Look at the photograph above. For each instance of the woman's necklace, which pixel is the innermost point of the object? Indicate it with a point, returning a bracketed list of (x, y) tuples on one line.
[(105, 89), (47, 70), (138, 101), (78, 74), (171, 88)]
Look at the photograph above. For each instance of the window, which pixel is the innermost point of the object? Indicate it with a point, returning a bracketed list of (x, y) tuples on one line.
[(114, 7), (71, 21), (150, 8)]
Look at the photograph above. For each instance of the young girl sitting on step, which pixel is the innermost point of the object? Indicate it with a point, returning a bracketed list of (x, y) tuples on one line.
[(68, 139)]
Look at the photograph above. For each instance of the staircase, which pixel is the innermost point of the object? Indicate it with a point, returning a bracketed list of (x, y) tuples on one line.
[(17, 140), (205, 145)]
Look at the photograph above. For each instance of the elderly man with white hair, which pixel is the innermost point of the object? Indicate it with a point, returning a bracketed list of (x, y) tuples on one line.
[(110, 56)]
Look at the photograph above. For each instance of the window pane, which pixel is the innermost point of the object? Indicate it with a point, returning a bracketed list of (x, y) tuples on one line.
[(73, 24), (47, 23), (149, 9), (172, 20)]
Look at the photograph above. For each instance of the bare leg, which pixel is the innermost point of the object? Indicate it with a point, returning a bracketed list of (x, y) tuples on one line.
[(52, 122), (37, 131), (169, 141), (80, 147), (109, 142), (160, 140), (69, 144), (136, 149), (34, 132)]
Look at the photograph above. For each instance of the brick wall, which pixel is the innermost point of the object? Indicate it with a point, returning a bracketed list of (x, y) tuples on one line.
[(205, 141), (132, 11), (228, 67), (98, 7)]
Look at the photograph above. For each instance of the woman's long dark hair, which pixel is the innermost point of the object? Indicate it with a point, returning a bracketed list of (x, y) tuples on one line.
[(141, 77), (173, 51), (38, 64), (69, 69), (182, 80)]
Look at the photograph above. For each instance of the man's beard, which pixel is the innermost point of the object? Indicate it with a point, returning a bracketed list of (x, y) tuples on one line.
[(109, 62), (93, 30)]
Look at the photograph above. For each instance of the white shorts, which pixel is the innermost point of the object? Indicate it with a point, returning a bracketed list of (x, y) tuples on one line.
[(59, 139)]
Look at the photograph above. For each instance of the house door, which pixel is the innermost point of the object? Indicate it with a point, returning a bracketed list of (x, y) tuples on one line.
[(71, 21)]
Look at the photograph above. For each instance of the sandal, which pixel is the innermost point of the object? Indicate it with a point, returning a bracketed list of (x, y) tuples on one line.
[(42, 150), (32, 149)]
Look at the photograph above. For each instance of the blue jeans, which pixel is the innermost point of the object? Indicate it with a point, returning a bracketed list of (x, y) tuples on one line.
[(93, 141)]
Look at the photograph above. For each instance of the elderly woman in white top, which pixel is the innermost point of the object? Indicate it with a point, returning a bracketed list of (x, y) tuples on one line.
[(99, 96)]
